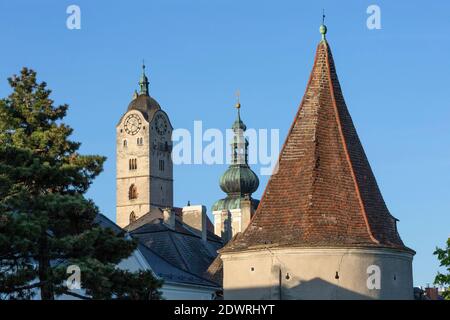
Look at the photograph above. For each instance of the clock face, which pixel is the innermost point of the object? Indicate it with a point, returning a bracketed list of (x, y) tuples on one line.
[(161, 124), (132, 124)]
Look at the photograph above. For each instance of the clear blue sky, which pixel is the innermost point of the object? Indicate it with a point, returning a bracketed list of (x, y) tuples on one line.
[(199, 52)]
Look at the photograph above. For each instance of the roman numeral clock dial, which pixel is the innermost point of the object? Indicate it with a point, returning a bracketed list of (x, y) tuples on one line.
[(132, 124), (161, 124)]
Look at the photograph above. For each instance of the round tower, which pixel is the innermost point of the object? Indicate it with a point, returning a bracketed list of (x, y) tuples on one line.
[(322, 229)]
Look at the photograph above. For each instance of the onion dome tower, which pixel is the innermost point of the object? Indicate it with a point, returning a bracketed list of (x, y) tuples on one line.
[(238, 182)]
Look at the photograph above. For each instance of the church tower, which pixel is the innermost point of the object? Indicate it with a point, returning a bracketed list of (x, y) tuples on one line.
[(233, 213), (143, 157)]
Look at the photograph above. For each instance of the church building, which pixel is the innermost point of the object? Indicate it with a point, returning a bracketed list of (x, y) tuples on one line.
[(322, 229)]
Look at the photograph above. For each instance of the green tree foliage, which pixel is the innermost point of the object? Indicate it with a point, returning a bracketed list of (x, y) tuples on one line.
[(441, 278), (46, 223)]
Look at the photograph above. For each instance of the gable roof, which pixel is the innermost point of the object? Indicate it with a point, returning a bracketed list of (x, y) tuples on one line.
[(169, 272), (104, 222), (156, 212), (324, 192), (181, 247), (160, 265)]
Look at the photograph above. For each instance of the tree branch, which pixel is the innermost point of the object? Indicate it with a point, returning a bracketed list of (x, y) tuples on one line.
[(76, 295)]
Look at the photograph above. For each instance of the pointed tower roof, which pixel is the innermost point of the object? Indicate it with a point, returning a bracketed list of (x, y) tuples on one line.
[(143, 82), (324, 193), (142, 101)]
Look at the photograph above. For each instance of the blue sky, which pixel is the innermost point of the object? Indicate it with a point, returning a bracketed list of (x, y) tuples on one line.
[(199, 52)]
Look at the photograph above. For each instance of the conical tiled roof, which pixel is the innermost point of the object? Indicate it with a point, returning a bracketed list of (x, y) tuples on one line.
[(324, 193)]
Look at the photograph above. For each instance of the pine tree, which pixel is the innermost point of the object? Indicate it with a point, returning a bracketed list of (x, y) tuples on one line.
[(46, 223), (443, 279)]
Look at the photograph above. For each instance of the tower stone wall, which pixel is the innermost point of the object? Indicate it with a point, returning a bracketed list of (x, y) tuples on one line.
[(144, 168)]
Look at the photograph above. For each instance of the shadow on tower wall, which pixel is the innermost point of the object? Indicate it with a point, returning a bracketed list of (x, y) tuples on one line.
[(308, 290)]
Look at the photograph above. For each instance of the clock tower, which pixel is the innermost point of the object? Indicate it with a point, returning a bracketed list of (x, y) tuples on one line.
[(143, 158)]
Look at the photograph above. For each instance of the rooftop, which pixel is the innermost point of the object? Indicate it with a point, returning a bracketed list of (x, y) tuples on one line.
[(324, 193)]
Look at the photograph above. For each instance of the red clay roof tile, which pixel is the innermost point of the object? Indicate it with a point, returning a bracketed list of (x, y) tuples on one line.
[(324, 193)]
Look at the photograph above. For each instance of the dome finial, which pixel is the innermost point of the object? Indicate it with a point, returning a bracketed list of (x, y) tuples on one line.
[(143, 83), (238, 103), (323, 27)]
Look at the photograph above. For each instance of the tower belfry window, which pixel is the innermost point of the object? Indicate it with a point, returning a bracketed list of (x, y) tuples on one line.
[(132, 164)]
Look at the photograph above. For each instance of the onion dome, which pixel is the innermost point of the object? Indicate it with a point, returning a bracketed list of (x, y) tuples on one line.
[(239, 181), (230, 203)]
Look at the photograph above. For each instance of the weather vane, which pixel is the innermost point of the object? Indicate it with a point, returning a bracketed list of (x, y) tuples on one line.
[(323, 16)]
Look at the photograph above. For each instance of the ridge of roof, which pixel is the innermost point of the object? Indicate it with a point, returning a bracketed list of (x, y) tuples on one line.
[(148, 218)]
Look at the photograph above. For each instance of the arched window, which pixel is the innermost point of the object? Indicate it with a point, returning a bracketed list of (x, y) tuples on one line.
[(132, 164), (132, 217), (124, 143), (132, 192)]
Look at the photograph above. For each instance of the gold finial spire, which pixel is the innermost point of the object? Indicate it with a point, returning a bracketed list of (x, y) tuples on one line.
[(323, 27), (238, 97)]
